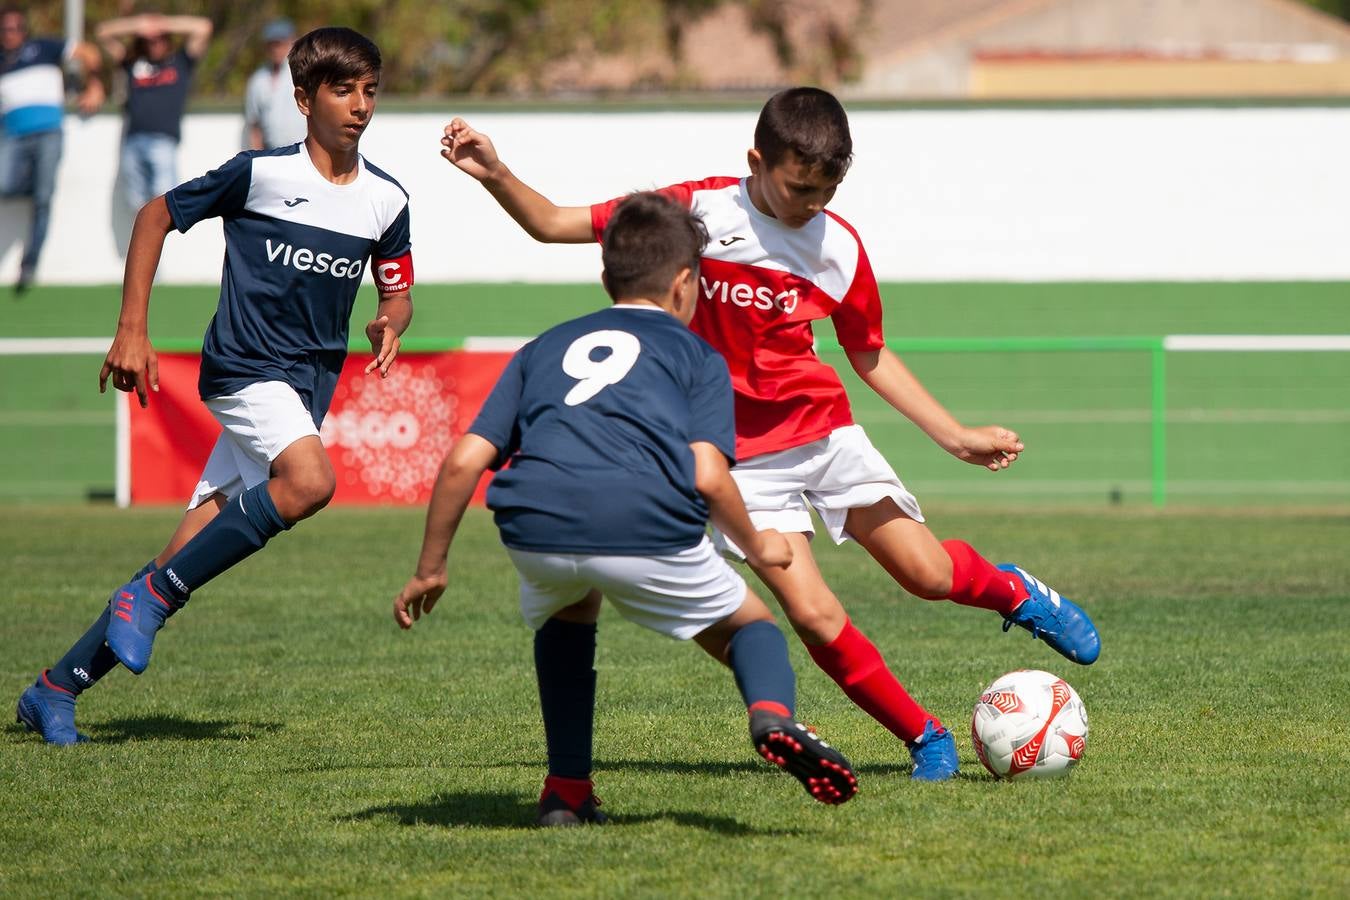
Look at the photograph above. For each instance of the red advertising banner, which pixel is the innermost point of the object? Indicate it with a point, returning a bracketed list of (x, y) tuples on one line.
[(386, 437)]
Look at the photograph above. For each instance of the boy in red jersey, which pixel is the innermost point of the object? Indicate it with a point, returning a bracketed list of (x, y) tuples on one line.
[(777, 261)]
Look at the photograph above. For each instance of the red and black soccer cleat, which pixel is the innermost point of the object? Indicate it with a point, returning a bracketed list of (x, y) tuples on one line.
[(791, 746)]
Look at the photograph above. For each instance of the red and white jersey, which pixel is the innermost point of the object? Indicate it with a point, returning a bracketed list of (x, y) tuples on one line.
[(762, 285)]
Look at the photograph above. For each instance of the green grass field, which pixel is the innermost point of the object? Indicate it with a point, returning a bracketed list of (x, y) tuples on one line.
[(289, 739), (1248, 428)]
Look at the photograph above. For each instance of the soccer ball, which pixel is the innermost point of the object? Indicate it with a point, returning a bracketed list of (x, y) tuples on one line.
[(1029, 724)]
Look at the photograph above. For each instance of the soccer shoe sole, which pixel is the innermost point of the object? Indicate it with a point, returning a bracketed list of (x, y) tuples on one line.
[(792, 747)]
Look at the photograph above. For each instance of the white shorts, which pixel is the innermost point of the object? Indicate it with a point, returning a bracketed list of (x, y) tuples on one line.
[(832, 475), (259, 422), (678, 595)]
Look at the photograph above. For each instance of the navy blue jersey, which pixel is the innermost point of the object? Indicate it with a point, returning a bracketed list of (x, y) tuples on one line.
[(595, 417), (157, 94), (296, 246)]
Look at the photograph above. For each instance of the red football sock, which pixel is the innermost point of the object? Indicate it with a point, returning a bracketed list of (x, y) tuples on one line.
[(977, 582), (573, 791), (856, 665)]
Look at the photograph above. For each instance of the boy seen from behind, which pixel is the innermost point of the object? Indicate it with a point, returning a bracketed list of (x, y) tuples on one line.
[(776, 262), (300, 225), (618, 430)]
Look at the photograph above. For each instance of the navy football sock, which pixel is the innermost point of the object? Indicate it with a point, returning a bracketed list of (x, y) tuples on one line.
[(89, 659), (241, 528), (759, 658), (564, 660)]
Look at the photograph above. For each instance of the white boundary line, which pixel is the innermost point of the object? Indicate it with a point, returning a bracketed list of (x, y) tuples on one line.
[(42, 346), (1256, 342)]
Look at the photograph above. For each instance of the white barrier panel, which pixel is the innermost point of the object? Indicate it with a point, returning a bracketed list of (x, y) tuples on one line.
[(1020, 195)]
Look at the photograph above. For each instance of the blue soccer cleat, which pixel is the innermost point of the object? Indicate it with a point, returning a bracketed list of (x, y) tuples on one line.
[(934, 754), (50, 711), (1057, 620), (137, 612)]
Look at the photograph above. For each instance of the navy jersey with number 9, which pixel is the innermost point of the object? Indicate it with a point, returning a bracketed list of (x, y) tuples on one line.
[(595, 418)]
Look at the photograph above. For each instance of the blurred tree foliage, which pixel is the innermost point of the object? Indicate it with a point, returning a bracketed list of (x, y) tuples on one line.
[(1335, 7), (429, 46)]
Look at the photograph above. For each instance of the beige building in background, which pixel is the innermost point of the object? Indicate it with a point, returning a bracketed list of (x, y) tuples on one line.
[(991, 49), (1101, 48)]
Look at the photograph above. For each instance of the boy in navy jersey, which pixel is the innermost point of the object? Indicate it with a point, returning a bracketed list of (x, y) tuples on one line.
[(300, 224), (618, 428), (779, 261)]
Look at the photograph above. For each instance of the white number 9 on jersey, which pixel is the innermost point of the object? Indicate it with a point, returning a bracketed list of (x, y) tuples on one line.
[(596, 375)]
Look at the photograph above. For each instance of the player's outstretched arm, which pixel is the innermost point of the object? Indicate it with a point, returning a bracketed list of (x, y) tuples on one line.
[(991, 446), (385, 331), (131, 361), (463, 465), (713, 480), (472, 152)]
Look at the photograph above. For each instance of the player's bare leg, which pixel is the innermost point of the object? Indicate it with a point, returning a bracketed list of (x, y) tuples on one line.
[(954, 570), (844, 653), (564, 661), (751, 644)]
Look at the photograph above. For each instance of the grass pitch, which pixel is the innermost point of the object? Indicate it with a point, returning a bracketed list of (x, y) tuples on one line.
[(288, 738)]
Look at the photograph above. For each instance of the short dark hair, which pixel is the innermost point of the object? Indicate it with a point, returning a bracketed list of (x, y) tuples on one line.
[(809, 122), (330, 56), (648, 240)]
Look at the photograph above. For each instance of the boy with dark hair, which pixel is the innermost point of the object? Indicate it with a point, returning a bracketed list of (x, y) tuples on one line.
[(777, 262), (618, 430), (300, 224)]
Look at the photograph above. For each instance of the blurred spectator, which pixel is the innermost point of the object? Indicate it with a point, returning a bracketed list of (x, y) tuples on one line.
[(158, 80), (270, 113), (32, 94)]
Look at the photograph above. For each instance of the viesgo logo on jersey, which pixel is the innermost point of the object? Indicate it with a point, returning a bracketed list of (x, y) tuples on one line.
[(306, 260), (748, 295)]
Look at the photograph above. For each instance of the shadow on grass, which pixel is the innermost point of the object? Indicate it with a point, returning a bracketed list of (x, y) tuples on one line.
[(176, 728), (728, 768), (468, 810)]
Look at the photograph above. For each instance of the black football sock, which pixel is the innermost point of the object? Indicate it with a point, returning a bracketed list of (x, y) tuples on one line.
[(241, 528), (89, 659), (564, 660), (759, 659)]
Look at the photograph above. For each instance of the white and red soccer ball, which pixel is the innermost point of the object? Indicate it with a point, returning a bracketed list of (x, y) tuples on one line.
[(1030, 724)]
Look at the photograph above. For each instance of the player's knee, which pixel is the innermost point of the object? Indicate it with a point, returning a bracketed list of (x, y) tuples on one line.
[(306, 493), (817, 622), (930, 581)]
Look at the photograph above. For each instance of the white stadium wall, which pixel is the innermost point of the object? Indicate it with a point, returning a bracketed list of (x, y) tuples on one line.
[(1019, 195)]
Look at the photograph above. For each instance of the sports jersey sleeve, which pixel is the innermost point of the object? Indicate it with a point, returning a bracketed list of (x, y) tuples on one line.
[(220, 192), (857, 319), (393, 256), (712, 407), (498, 419), (601, 213)]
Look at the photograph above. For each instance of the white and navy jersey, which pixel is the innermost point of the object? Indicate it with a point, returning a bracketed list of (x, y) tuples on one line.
[(33, 87), (296, 246), (595, 417)]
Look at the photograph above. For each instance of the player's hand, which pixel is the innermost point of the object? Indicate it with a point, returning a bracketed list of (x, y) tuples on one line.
[(133, 366), (470, 151), (384, 343), (417, 598), (771, 549), (991, 446)]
